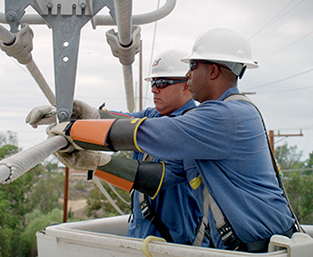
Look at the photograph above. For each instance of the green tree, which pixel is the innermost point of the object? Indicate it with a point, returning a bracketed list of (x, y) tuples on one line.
[(99, 206), (300, 191), (8, 138), (37, 188), (45, 194), (13, 202), (297, 180), (37, 221), (8, 150), (6, 222), (309, 163), (288, 157)]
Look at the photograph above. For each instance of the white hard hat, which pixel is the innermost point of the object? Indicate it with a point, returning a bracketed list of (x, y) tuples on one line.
[(223, 46), (168, 65)]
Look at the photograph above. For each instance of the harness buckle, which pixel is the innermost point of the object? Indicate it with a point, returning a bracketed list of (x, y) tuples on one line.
[(146, 211), (228, 236)]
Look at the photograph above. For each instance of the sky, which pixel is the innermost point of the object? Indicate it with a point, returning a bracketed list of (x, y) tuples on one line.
[(279, 31)]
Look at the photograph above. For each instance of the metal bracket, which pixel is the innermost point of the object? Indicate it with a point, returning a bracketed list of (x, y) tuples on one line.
[(66, 21), (14, 10)]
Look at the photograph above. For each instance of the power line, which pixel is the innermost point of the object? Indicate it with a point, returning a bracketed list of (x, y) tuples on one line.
[(284, 79), (272, 21), (287, 90), (287, 46)]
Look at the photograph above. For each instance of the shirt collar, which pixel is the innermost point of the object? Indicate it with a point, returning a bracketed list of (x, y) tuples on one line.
[(228, 92), (189, 105)]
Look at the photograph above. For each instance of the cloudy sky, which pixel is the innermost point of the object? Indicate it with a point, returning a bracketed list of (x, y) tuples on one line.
[(280, 33)]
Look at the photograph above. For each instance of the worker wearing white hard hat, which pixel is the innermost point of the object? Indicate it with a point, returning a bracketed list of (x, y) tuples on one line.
[(168, 65), (225, 47), (224, 136), (175, 206)]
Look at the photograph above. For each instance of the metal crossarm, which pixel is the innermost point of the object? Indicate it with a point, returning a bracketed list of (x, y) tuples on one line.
[(66, 20)]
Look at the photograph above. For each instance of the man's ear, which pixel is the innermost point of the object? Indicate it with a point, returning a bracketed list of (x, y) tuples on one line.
[(214, 71)]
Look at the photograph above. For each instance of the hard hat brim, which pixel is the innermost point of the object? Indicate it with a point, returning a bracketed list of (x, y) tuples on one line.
[(250, 64), (164, 75)]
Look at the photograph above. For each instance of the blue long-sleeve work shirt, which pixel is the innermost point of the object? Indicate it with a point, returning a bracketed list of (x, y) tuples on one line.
[(175, 204), (227, 142)]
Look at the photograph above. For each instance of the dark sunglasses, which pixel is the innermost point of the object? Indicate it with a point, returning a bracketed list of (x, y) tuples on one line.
[(194, 64), (162, 83)]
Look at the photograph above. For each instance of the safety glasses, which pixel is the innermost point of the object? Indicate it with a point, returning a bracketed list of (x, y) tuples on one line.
[(162, 83), (194, 64)]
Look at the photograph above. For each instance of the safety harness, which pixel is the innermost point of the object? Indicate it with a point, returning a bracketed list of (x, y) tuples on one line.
[(223, 226), (149, 213)]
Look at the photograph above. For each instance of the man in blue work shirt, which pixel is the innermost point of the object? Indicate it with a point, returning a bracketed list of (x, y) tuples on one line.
[(225, 138), (175, 206), (174, 213)]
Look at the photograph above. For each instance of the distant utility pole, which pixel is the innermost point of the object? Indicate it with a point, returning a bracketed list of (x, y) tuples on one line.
[(65, 203), (271, 136)]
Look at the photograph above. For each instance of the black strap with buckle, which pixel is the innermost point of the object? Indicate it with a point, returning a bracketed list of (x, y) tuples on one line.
[(228, 236), (262, 245), (203, 231), (149, 214)]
